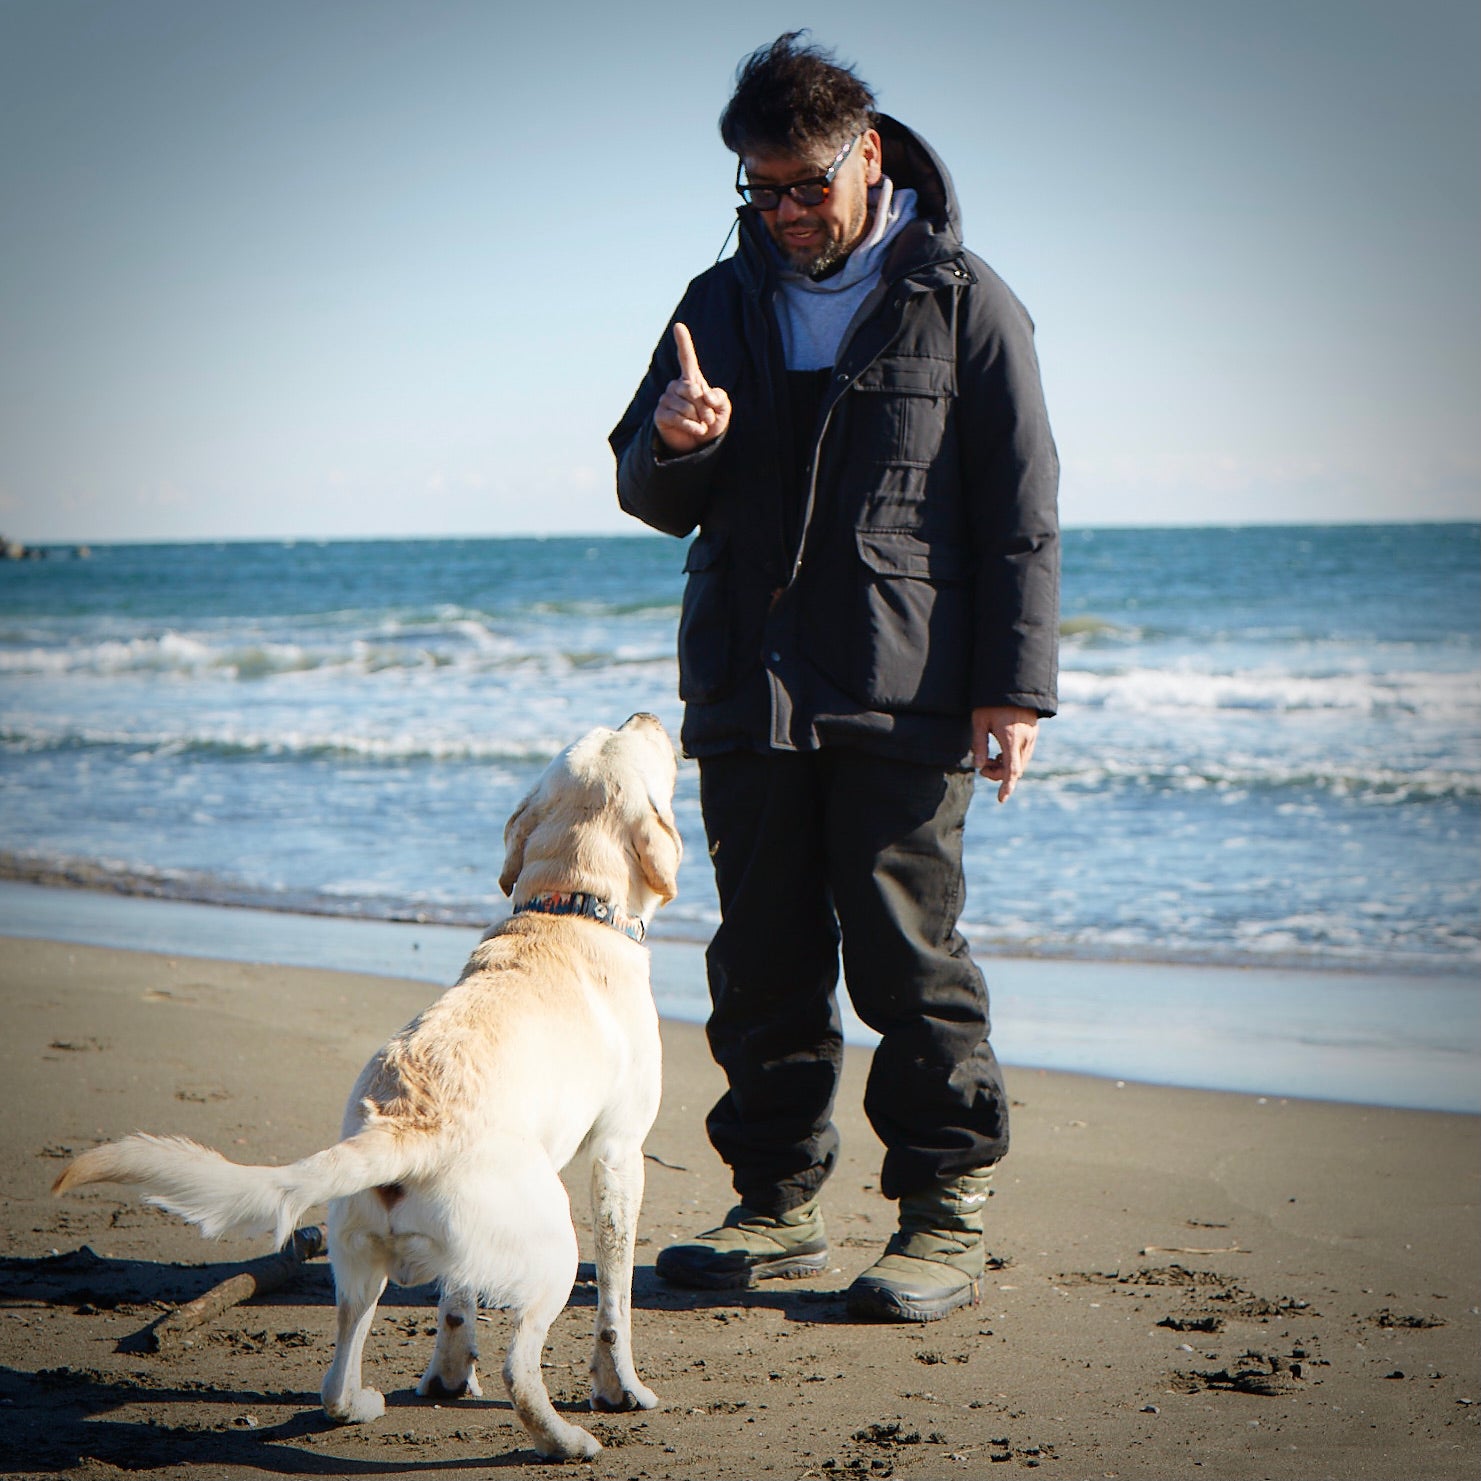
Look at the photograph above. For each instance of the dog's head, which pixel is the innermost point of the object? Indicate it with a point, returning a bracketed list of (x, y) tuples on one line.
[(601, 819)]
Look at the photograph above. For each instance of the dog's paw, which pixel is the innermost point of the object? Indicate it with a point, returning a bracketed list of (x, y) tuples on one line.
[(359, 1407), (632, 1395), (568, 1442), (434, 1386)]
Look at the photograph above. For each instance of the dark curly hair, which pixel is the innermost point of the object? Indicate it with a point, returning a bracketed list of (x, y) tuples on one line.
[(792, 98)]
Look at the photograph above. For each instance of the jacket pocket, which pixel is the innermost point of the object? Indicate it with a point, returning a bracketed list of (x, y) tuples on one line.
[(907, 642), (705, 622), (900, 406)]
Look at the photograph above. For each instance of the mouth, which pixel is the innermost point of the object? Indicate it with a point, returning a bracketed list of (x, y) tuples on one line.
[(800, 236)]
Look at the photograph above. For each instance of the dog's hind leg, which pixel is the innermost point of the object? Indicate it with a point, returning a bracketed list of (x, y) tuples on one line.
[(518, 1248), (346, 1399), (451, 1374), (616, 1196), (359, 1279), (554, 1437)]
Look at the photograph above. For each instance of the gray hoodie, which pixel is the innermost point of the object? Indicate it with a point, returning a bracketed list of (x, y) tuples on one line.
[(815, 314)]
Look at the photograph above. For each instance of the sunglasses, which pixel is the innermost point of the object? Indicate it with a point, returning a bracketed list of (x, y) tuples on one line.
[(812, 191)]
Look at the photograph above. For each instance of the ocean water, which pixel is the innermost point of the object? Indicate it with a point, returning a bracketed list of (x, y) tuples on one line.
[(1269, 750)]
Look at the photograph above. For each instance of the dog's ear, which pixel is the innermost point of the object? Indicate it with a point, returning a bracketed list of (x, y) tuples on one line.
[(516, 834), (659, 849)]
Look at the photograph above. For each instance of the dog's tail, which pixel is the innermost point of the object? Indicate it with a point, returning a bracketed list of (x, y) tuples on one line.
[(221, 1197)]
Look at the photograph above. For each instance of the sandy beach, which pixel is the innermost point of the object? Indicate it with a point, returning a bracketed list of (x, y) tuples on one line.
[(1189, 1283)]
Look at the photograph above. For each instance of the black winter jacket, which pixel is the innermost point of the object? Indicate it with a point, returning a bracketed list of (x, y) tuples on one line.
[(922, 577)]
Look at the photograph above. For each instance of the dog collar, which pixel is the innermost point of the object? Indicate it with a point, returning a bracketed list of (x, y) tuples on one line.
[(578, 902)]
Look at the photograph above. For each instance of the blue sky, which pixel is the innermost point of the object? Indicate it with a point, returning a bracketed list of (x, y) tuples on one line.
[(394, 267)]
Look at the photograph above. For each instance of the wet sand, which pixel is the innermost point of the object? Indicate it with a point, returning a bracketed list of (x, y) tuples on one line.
[(1189, 1283)]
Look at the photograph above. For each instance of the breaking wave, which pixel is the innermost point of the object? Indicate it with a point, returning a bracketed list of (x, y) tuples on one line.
[(1162, 689)]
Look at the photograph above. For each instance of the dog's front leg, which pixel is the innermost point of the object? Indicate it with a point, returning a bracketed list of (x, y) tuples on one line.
[(616, 1197), (451, 1374)]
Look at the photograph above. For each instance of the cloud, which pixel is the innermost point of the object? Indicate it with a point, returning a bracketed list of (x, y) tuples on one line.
[(161, 495)]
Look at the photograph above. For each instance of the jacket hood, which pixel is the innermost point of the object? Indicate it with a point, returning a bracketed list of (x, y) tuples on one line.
[(912, 164), (934, 236)]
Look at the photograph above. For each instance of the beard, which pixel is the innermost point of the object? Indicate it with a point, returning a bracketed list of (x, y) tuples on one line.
[(832, 254), (829, 260)]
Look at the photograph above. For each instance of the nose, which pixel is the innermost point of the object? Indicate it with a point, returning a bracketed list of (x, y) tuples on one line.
[(788, 210)]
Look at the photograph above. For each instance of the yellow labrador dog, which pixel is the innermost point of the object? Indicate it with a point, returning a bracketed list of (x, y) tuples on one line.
[(545, 1053)]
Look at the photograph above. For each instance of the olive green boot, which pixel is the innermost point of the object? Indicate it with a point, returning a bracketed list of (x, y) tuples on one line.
[(934, 1263), (748, 1247)]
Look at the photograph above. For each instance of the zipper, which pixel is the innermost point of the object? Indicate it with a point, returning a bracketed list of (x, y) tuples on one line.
[(781, 419), (842, 380)]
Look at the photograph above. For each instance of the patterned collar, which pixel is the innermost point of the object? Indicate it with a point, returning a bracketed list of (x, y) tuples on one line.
[(577, 902)]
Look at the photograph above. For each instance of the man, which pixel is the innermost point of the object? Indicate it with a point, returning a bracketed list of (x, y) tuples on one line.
[(849, 410)]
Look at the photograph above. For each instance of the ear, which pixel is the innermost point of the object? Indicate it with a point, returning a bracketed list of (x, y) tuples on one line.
[(516, 834), (659, 850)]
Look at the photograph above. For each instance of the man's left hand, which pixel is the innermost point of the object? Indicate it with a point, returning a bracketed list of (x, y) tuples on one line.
[(1015, 731)]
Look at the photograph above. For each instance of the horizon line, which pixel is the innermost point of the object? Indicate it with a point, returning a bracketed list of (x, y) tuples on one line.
[(74, 543)]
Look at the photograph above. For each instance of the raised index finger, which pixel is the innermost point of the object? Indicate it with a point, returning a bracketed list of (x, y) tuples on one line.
[(688, 360)]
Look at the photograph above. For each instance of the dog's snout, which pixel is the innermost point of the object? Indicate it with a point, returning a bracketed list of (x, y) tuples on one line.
[(642, 718)]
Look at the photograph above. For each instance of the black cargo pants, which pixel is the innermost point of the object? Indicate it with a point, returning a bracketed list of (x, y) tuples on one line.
[(814, 848)]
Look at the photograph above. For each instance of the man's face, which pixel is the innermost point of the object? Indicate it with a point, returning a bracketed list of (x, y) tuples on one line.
[(815, 239)]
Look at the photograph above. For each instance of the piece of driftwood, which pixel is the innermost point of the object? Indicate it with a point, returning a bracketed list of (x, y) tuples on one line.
[(1188, 1249), (255, 1278)]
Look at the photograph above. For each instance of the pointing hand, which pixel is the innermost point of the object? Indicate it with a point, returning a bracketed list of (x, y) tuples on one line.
[(691, 412)]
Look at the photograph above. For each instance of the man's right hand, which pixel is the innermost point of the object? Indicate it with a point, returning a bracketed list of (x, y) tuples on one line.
[(691, 412)]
